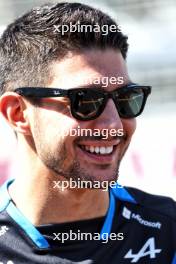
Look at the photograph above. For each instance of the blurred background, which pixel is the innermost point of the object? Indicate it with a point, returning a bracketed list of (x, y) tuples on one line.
[(150, 163)]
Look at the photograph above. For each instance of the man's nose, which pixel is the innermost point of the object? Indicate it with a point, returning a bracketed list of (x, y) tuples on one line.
[(109, 118)]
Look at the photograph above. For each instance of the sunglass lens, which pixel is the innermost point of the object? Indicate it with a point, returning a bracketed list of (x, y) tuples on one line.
[(130, 103), (86, 104)]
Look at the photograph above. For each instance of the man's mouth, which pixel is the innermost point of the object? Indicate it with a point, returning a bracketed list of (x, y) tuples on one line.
[(99, 150)]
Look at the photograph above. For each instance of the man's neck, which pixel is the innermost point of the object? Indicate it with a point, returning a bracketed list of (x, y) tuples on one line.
[(43, 204)]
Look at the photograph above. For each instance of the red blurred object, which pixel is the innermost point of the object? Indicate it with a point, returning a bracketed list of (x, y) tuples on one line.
[(137, 164), (4, 171)]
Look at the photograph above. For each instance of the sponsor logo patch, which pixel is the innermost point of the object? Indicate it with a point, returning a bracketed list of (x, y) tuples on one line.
[(130, 215)]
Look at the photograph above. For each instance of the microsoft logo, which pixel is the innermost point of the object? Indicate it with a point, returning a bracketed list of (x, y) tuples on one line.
[(126, 213)]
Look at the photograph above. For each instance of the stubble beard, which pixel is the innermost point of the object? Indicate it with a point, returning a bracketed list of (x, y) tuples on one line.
[(57, 161)]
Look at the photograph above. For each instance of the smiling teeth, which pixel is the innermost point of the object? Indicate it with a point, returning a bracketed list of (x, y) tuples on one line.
[(99, 150)]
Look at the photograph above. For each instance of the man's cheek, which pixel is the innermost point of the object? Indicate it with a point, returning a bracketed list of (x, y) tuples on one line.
[(68, 150), (129, 127)]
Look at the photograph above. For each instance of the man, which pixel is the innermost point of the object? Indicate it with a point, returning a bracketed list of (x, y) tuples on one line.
[(51, 85)]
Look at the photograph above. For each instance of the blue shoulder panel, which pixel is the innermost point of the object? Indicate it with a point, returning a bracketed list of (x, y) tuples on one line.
[(174, 260), (4, 195), (122, 194)]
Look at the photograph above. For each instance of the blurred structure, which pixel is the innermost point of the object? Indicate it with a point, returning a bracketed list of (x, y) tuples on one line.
[(150, 24)]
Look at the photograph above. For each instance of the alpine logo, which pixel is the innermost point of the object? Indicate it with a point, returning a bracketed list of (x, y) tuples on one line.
[(147, 250), (129, 215)]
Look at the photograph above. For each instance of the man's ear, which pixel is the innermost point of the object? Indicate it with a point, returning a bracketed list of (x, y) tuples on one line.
[(15, 111)]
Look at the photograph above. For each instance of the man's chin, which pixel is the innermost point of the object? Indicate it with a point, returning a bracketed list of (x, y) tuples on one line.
[(105, 176), (99, 182)]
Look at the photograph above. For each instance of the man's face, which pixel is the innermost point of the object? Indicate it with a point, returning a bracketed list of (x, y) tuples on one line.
[(70, 156)]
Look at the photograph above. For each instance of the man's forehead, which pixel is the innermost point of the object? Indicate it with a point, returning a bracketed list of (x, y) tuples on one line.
[(88, 68)]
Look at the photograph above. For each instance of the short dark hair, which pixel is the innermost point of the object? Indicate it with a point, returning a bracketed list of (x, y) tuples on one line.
[(30, 43)]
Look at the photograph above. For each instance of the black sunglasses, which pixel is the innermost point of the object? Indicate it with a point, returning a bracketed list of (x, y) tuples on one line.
[(89, 103)]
